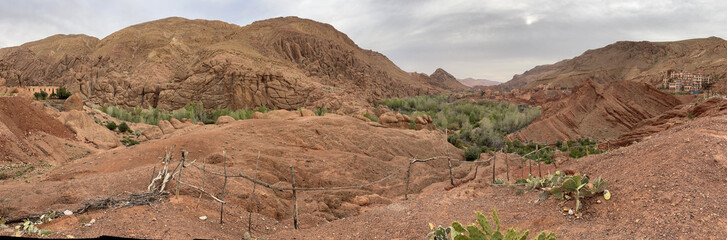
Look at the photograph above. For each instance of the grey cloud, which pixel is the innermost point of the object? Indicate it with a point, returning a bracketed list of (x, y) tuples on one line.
[(468, 38)]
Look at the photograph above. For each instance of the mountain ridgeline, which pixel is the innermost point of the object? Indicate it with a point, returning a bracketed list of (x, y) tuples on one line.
[(644, 61), (283, 63)]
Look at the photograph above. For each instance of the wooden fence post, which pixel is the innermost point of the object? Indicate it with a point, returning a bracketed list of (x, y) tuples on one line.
[(540, 174), (184, 157), (408, 172), (507, 165), (494, 160), (295, 199), (224, 185), (249, 215), (446, 145), (530, 162)]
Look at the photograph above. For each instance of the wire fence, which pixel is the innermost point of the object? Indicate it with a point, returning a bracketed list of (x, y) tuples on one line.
[(163, 176)]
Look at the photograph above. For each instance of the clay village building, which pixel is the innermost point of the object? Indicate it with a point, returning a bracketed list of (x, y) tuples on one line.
[(684, 81), (37, 89)]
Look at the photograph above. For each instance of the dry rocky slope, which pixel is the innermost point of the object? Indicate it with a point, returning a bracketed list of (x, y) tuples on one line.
[(635, 61), (28, 134), (669, 186), (320, 148), (598, 111), (283, 62)]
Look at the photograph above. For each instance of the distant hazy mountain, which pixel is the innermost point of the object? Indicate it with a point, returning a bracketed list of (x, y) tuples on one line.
[(471, 82)]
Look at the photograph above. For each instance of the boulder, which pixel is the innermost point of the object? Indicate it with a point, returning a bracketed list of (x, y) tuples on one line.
[(74, 102), (224, 120), (406, 118), (388, 117), (87, 129), (361, 200), (176, 123), (306, 113), (381, 109), (420, 120), (258, 115), (400, 117), (150, 131), (166, 126)]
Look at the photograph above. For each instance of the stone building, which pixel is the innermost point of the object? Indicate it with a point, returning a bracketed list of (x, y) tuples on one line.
[(36, 89), (684, 81)]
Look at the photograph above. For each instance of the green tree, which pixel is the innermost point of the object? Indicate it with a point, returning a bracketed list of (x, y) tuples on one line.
[(123, 127), (111, 125), (63, 93)]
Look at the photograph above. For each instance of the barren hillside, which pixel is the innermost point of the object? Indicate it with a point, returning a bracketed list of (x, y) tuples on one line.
[(598, 111), (644, 61), (282, 62)]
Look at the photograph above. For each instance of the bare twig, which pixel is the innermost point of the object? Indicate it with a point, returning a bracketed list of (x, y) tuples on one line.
[(203, 191)]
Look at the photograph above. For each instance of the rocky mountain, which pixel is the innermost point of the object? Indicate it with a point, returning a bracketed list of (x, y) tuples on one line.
[(471, 82), (283, 62), (441, 79), (644, 61), (598, 111)]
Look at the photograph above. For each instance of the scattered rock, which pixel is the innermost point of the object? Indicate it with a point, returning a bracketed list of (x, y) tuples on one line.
[(68, 212), (203, 218), (224, 120), (87, 129), (306, 113), (166, 126), (361, 200), (74, 102)]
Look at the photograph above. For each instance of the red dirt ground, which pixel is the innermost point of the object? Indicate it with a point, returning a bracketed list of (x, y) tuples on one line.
[(668, 186)]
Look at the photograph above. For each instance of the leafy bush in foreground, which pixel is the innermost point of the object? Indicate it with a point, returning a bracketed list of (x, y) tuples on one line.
[(567, 187), (483, 230)]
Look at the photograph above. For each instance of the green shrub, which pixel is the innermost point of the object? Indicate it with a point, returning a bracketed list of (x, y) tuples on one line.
[(472, 153), (371, 117), (321, 111), (262, 109), (192, 111), (42, 95), (455, 140), (123, 127), (127, 141), (111, 125), (482, 229), (63, 93)]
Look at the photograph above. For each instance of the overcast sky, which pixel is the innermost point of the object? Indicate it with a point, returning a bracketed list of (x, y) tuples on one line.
[(468, 38)]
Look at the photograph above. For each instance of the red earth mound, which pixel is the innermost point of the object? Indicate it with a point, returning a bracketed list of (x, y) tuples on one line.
[(670, 186), (711, 107), (326, 151), (29, 135), (597, 111)]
